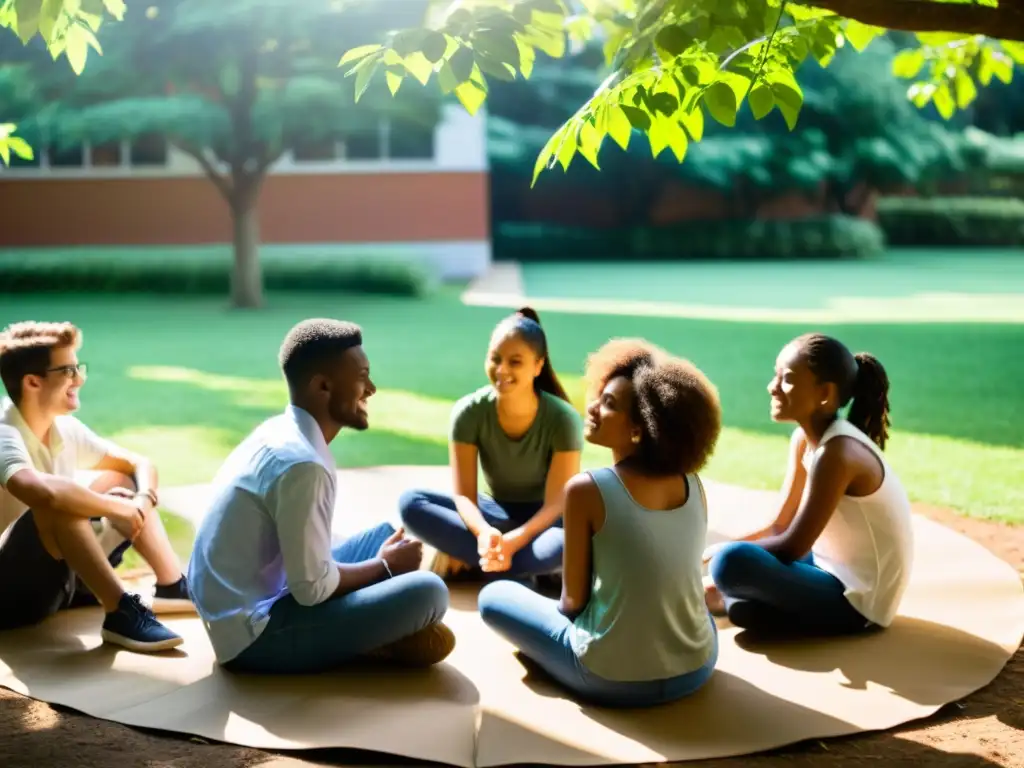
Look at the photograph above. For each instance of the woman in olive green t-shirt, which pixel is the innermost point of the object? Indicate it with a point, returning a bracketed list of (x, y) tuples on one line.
[(527, 438)]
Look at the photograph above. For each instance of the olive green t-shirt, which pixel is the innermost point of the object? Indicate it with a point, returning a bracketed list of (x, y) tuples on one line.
[(515, 470)]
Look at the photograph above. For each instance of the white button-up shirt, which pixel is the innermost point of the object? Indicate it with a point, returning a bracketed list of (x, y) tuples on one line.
[(73, 447), (267, 532)]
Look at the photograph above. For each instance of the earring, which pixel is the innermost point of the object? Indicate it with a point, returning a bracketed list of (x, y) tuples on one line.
[(636, 439)]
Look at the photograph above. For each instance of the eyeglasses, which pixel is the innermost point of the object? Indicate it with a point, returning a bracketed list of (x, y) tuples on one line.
[(69, 370)]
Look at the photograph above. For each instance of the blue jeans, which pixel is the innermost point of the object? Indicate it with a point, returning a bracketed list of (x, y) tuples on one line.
[(533, 624), (763, 593), (433, 519), (301, 639)]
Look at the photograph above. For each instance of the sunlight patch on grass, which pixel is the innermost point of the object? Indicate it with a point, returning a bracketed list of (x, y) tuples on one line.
[(183, 455), (246, 392)]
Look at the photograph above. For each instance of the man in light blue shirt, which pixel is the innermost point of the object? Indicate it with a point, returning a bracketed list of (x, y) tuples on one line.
[(273, 595)]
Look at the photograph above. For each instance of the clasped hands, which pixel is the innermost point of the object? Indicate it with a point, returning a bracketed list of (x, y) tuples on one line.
[(496, 549)]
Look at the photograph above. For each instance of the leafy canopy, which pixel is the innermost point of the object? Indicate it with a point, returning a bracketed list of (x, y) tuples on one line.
[(66, 27), (674, 63)]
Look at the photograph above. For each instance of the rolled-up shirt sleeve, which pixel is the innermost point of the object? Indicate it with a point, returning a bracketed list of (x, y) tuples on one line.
[(14, 456), (303, 505)]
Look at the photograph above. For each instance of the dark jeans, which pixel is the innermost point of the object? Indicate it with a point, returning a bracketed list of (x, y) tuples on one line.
[(301, 639), (534, 625), (433, 519), (34, 586), (762, 593)]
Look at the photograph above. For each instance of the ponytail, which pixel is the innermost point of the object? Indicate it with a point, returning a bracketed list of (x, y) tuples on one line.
[(869, 410), (547, 380)]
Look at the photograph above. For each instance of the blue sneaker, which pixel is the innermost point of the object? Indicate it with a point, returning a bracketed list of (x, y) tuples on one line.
[(133, 626), (173, 598)]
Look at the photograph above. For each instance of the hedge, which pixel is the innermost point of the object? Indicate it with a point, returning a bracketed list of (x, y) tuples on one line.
[(826, 237), (203, 270), (952, 221)]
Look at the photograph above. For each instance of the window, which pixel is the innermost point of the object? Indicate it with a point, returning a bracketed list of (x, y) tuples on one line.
[(410, 141), (144, 152)]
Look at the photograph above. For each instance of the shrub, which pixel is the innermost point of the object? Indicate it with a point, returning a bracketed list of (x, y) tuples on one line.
[(945, 221), (203, 270), (826, 237)]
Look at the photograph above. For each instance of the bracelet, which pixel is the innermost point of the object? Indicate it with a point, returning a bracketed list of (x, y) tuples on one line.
[(386, 567), (150, 494)]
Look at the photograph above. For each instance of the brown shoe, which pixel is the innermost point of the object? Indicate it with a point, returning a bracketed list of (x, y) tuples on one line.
[(431, 645)]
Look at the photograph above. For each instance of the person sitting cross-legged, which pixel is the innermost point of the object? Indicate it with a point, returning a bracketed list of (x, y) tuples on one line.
[(631, 628), (273, 594), (61, 541)]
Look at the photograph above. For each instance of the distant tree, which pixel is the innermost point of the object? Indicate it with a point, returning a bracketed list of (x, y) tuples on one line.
[(232, 83)]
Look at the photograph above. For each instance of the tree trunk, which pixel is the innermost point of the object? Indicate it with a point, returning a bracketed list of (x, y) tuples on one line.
[(246, 275)]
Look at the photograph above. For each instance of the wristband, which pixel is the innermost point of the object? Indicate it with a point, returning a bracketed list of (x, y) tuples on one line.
[(386, 567)]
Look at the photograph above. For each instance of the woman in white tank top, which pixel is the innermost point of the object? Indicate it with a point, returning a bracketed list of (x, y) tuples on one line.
[(838, 557)]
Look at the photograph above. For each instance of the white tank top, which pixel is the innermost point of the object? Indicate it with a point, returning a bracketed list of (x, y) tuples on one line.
[(868, 544)]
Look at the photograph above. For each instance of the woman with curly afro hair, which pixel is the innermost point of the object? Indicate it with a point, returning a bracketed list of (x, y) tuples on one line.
[(838, 556), (631, 628)]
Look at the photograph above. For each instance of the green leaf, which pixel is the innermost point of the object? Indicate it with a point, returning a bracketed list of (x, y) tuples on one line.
[(761, 101), (461, 63), (567, 149), (446, 78), (115, 8), (966, 91), (944, 102), (673, 135), (720, 101), (920, 94), (419, 67), (5, 151), (693, 121), (673, 40), (27, 15), (1002, 66), (546, 153), (527, 56), (352, 54), (1014, 49), (860, 35), (636, 117), (590, 143), (20, 147), (77, 48), (394, 78), (494, 68), (499, 47), (434, 47), (789, 98), (48, 15), (471, 95), (908, 63), (364, 77), (619, 127)]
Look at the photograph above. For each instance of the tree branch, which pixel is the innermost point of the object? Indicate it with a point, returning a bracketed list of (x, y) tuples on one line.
[(1003, 23), (219, 180)]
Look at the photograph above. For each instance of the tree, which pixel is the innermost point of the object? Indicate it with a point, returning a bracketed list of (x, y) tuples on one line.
[(65, 27), (234, 84), (671, 61)]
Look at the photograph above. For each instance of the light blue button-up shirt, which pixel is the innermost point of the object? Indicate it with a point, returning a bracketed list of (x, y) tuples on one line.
[(267, 532)]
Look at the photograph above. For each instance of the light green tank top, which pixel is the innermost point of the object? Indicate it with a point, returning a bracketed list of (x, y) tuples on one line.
[(646, 618)]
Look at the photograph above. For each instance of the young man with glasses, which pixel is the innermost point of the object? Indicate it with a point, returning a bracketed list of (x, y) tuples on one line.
[(59, 540)]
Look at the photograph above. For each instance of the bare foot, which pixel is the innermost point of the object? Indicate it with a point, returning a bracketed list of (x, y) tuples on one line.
[(714, 600)]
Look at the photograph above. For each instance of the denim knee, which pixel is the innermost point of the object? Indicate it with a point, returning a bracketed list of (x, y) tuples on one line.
[(410, 504), (494, 599), (428, 593), (733, 563)]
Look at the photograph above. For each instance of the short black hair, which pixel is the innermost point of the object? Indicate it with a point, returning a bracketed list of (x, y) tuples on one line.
[(311, 344), (674, 403)]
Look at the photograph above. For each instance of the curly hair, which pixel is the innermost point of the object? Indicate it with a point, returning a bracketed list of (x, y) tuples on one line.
[(674, 403), (309, 345), (25, 349)]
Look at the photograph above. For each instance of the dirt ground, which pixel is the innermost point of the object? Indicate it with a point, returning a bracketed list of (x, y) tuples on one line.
[(985, 729)]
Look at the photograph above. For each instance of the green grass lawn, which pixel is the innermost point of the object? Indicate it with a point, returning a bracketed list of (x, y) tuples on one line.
[(184, 379)]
